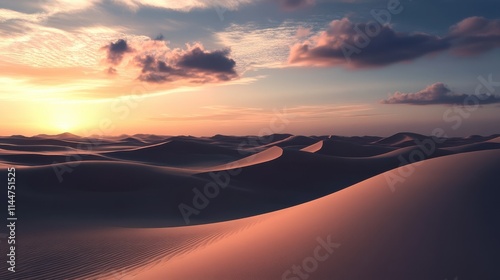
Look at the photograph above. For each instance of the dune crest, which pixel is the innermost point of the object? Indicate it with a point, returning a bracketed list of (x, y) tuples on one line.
[(495, 140), (313, 148), (267, 155)]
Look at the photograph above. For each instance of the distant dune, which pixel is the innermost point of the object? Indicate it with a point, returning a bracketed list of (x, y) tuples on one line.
[(293, 142), (178, 153), (349, 149), (495, 140), (402, 139), (269, 154)]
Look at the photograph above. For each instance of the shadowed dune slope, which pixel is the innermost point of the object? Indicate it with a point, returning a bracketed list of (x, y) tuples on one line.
[(439, 223), (414, 153), (489, 145), (47, 158), (293, 142), (350, 149), (179, 153), (401, 139), (35, 148), (109, 192)]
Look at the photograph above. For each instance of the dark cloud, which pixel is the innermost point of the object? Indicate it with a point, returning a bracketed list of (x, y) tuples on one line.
[(439, 93), (116, 51), (157, 71), (194, 65), (216, 61), (362, 45), (160, 64), (295, 4)]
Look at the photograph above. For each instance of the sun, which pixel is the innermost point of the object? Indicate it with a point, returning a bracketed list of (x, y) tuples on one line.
[(65, 120), (65, 125)]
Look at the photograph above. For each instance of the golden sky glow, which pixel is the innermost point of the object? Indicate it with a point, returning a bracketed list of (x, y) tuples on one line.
[(202, 68)]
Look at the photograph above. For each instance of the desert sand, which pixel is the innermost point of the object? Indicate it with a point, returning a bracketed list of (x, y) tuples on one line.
[(296, 207)]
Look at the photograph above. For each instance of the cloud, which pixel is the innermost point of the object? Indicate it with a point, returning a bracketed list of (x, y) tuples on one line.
[(363, 45), (252, 114), (345, 43), (195, 64), (247, 48), (216, 61), (116, 51), (51, 47), (291, 5), (46, 9), (439, 93), (475, 35)]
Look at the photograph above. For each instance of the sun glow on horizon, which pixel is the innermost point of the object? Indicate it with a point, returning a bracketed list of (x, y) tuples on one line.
[(63, 117)]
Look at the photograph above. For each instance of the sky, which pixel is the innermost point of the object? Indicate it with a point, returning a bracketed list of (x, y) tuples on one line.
[(250, 67)]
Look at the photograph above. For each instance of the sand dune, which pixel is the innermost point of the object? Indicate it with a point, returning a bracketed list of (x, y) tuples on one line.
[(120, 193), (313, 148), (110, 253), (402, 139), (36, 148), (340, 148), (489, 145), (46, 158), (41, 141), (495, 140), (132, 141), (422, 231), (62, 136), (258, 158), (111, 214), (179, 153), (406, 153), (293, 142)]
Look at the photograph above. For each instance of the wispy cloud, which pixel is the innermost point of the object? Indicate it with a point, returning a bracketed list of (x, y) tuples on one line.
[(42, 46), (248, 49), (249, 114), (47, 9)]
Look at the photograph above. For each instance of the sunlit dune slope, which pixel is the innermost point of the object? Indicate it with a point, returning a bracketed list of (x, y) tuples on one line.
[(441, 222)]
